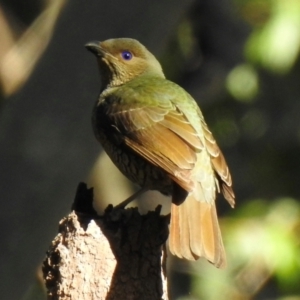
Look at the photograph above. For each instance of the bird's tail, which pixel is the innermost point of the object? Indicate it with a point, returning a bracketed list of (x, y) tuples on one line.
[(195, 232)]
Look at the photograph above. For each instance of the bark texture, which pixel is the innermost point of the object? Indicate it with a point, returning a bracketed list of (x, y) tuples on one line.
[(119, 255)]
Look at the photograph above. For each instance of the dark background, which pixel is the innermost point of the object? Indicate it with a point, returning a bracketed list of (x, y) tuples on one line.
[(226, 54)]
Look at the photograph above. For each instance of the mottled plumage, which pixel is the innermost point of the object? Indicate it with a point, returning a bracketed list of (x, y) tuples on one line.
[(155, 133)]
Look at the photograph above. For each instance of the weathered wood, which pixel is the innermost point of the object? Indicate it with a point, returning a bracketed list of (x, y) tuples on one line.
[(119, 255)]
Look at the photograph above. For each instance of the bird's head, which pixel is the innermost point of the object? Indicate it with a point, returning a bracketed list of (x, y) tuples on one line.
[(123, 59)]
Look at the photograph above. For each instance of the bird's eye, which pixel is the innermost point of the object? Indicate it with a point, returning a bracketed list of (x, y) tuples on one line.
[(127, 55)]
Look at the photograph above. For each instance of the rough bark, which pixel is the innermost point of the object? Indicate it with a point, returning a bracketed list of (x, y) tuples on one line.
[(119, 255)]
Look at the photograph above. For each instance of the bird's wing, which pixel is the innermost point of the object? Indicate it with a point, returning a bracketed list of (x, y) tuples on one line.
[(219, 164), (168, 130), (160, 132)]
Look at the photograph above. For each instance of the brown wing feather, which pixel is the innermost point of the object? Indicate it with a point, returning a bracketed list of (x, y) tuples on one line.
[(159, 159), (167, 144), (163, 137), (176, 122), (219, 165)]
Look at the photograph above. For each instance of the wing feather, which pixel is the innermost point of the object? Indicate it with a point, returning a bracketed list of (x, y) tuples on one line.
[(162, 136), (219, 165), (169, 133)]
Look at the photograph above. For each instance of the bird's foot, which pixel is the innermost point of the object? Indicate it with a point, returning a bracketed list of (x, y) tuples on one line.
[(123, 204)]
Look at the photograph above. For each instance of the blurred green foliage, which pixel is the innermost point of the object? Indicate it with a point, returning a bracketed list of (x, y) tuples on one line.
[(252, 113), (262, 243), (275, 44)]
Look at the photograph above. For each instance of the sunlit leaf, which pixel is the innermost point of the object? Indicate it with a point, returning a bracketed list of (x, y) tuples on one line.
[(276, 45)]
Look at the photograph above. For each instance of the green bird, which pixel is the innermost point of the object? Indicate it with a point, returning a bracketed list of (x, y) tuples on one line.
[(155, 133)]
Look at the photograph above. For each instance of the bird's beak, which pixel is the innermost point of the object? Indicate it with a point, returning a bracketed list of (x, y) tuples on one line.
[(95, 48)]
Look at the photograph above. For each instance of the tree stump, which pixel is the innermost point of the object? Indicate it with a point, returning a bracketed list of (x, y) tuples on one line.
[(119, 255)]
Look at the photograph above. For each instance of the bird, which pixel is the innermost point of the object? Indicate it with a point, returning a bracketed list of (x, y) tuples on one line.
[(155, 133)]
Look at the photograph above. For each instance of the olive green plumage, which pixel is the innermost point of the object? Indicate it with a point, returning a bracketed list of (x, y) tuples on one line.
[(154, 132)]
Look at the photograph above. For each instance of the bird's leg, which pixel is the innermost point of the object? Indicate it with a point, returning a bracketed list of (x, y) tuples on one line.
[(124, 203)]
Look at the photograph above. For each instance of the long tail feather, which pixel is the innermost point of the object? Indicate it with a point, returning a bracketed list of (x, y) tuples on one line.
[(195, 232)]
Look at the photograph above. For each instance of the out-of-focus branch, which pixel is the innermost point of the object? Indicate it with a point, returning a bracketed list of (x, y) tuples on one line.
[(18, 61)]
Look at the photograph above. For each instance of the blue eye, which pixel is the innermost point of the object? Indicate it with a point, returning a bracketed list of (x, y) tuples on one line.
[(126, 55)]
